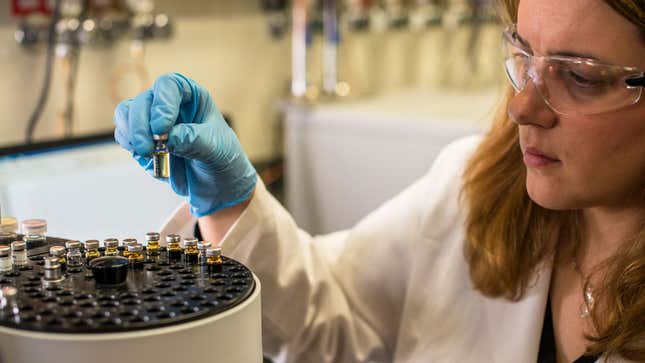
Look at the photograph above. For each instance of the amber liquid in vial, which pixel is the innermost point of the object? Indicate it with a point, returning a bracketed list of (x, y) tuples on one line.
[(161, 157)]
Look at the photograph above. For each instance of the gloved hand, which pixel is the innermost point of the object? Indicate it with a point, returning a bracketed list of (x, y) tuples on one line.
[(207, 163)]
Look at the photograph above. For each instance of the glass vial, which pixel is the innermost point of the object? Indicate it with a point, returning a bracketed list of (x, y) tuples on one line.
[(9, 300), (111, 247), (127, 242), (34, 227), (59, 252), (8, 224), (161, 157), (6, 264), (7, 237), (153, 243), (19, 253), (202, 246), (91, 250), (53, 272), (174, 249), (214, 259), (135, 255), (74, 255), (190, 251)]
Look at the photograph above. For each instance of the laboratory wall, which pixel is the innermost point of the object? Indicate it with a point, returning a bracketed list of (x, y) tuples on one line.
[(223, 44)]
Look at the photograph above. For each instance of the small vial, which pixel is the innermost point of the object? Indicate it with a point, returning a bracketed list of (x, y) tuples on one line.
[(111, 247), (53, 272), (190, 251), (174, 250), (9, 300), (202, 246), (74, 255), (127, 242), (161, 157), (34, 227), (153, 243), (6, 264), (135, 255), (9, 225), (19, 253), (59, 252), (214, 259), (7, 237), (91, 250)]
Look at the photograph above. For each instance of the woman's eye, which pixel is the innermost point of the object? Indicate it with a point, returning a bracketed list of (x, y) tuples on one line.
[(583, 80)]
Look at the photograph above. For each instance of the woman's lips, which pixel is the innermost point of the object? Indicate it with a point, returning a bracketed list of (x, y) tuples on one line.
[(536, 159)]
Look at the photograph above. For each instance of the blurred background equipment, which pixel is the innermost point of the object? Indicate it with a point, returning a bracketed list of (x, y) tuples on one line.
[(323, 92)]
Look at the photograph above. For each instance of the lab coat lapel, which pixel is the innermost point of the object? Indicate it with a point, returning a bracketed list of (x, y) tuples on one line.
[(516, 327)]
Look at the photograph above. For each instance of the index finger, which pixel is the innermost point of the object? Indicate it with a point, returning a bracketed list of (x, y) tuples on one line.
[(170, 92)]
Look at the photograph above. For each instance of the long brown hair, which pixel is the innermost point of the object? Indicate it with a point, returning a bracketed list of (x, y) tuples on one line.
[(509, 236)]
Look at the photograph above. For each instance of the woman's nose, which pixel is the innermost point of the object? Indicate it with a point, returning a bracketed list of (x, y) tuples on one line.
[(528, 107)]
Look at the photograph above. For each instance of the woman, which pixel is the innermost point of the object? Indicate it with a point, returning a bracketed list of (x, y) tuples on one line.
[(525, 244)]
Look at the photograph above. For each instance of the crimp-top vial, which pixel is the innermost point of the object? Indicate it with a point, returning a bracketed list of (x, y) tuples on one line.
[(161, 157), (19, 253), (153, 246), (214, 259), (190, 251), (6, 264)]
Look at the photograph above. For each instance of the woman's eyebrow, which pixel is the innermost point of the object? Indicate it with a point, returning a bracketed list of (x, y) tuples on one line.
[(562, 53)]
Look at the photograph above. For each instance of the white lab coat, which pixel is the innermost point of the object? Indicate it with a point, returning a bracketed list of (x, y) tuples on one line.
[(395, 288)]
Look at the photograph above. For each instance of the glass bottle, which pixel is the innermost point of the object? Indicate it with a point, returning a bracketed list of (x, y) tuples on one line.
[(59, 251), (127, 242), (74, 255), (153, 243), (174, 249), (202, 246), (6, 264), (214, 259), (135, 255), (111, 247), (34, 232), (19, 253), (190, 251), (161, 157), (91, 250)]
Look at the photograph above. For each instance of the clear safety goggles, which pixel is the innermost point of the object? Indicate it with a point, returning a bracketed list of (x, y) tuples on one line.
[(571, 85)]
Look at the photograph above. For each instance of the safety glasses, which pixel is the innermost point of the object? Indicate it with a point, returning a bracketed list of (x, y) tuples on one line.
[(571, 85)]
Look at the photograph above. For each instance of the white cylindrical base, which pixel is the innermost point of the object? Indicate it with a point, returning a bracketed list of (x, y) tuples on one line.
[(233, 336)]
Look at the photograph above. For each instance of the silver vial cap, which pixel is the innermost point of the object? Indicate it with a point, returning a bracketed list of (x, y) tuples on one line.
[(91, 244), (217, 251), (203, 245), (72, 245), (129, 241), (190, 242), (111, 242), (153, 236), (160, 137), (4, 251), (173, 238), (51, 262), (18, 246), (57, 251), (135, 247)]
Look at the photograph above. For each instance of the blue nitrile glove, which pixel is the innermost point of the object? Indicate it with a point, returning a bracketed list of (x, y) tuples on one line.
[(207, 162)]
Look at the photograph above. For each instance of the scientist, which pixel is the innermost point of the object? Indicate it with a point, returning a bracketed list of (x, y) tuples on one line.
[(525, 244)]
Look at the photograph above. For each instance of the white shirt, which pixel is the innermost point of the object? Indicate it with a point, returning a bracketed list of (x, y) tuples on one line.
[(395, 288)]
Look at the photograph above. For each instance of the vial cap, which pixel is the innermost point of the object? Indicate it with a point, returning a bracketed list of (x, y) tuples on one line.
[(18, 245), (71, 245), (33, 226), (153, 236), (8, 236), (8, 224), (135, 248), (173, 238), (161, 137), (111, 242), (51, 262), (202, 245), (190, 242), (57, 251), (4, 251), (217, 251), (129, 241), (91, 244)]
